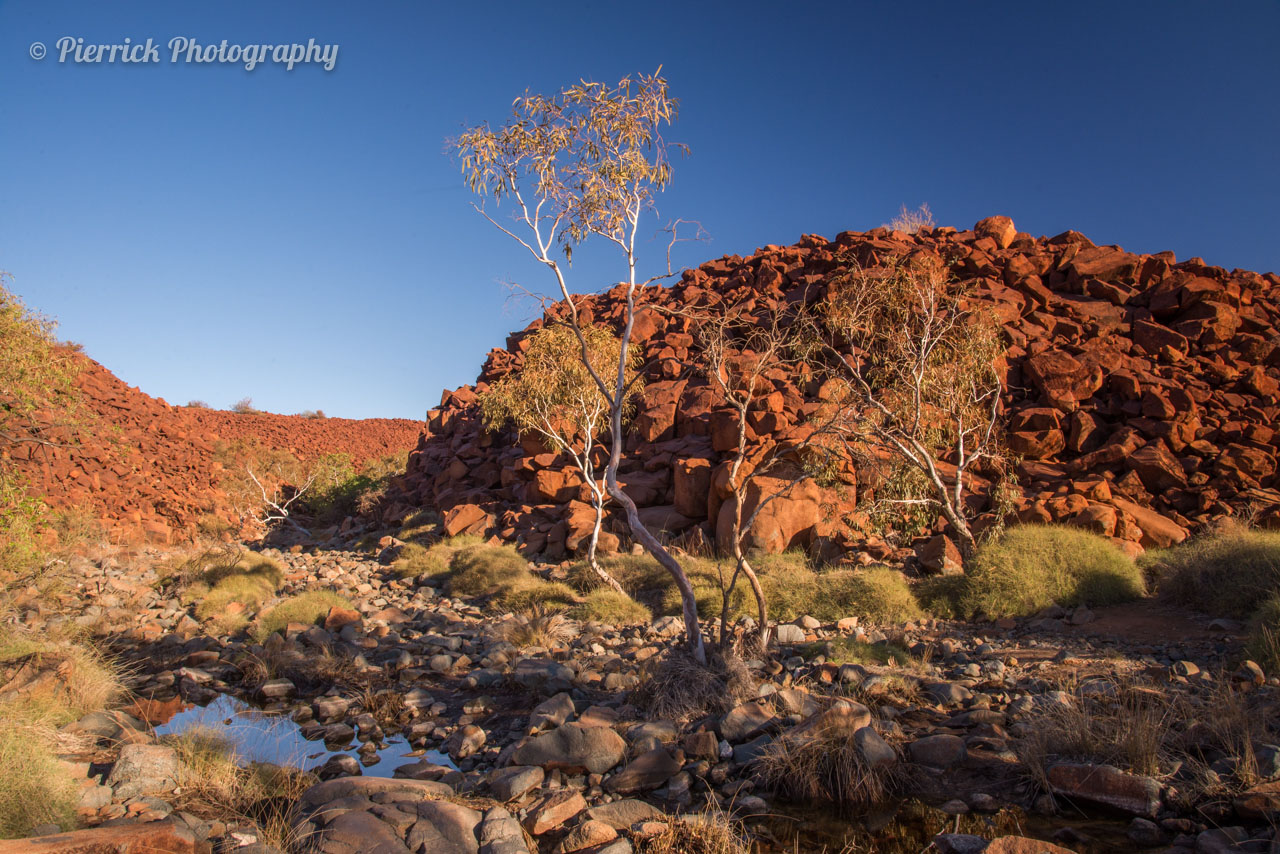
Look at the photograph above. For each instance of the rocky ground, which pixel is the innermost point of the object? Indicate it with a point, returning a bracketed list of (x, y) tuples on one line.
[(551, 748)]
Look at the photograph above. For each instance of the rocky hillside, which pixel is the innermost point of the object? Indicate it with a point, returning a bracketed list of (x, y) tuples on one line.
[(150, 470), (1141, 395)]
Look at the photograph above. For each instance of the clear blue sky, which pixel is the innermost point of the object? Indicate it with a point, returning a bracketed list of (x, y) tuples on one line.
[(303, 237)]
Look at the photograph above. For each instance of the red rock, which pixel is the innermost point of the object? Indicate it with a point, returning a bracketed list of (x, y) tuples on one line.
[(999, 228), (1159, 469), (1157, 531), (154, 837), (1023, 845), (553, 811), (940, 556), (787, 521), (339, 617), (691, 480), (465, 519), (1063, 379), (1107, 786)]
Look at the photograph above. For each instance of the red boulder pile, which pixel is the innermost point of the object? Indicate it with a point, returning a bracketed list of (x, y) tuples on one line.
[(1141, 397), (147, 470)]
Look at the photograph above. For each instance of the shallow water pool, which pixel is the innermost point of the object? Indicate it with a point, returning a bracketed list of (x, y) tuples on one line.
[(262, 737)]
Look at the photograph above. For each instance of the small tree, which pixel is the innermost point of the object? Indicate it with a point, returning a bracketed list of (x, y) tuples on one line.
[(922, 371), (553, 395), (587, 162), (743, 353)]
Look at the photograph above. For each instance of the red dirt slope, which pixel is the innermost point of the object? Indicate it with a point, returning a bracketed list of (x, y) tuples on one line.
[(147, 469)]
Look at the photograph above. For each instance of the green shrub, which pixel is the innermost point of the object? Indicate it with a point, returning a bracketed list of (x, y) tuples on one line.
[(249, 582), (310, 607), (1227, 573), (1033, 566), (609, 606)]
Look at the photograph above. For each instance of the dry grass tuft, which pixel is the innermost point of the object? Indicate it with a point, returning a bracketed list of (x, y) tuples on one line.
[(1264, 636), (825, 764), (711, 831), (35, 788), (215, 784), (912, 222), (680, 689), (541, 627), (425, 561)]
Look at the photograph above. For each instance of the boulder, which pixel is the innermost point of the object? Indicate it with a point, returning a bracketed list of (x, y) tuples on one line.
[(573, 748), (1107, 786)]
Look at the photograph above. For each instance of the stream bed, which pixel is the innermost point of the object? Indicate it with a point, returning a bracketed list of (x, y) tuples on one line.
[(902, 827)]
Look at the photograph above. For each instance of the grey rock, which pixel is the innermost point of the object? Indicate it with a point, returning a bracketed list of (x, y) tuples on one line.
[(144, 769), (573, 748)]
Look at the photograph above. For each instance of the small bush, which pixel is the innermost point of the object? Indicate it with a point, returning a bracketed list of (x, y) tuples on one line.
[(913, 222), (307, 608), (710, 832), (197, 404), (941, 595), (227, 594), (680, 689), (1033, 566), (1228, 573), (603, 605), (539, 628), (244, 406)]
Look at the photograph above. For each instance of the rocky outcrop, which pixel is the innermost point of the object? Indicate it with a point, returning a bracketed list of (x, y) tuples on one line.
[(1140, 395)]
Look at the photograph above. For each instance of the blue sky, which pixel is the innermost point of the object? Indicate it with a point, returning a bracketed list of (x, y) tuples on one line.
[(302, 237)]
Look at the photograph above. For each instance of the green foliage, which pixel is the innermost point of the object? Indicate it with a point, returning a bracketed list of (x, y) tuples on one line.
[(533, 595), (553, 394), (338, 490), (308, 608), (593, 155), (603, 605), (35, 375), (1227, 573), (940, 595), (847, 650), (1033, 566), (636, 573)]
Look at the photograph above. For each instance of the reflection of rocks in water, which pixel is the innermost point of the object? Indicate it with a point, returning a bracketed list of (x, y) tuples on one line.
[(157, 712)]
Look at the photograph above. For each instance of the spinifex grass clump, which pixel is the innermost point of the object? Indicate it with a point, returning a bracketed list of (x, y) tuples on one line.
[(794, 589), (306, 608), (1033, 566), (227, 594), (1229, 573)]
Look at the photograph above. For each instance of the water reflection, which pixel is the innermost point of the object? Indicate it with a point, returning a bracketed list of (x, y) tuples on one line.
[(259, 736)]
